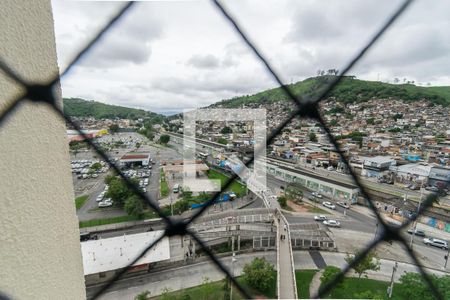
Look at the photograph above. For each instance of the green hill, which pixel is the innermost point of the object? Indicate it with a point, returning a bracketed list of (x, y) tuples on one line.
[(77, 107), (348, 91)]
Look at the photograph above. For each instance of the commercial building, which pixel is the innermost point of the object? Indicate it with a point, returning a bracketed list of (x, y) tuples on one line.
[(326, 186), (439, 176), (102, 258), (376, 166), (74, 135), (142, 158)]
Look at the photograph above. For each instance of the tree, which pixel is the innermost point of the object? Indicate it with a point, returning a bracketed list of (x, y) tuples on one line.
[(293, 191), (329, 274), (312, 137), (226, 130), (164, 139), (222, 141), (142, 296), (370, 121), (96, 166), (259, 274), (134, 206), (114, 128), (283, 201), (119, 191), (333, 122), (370, 262)]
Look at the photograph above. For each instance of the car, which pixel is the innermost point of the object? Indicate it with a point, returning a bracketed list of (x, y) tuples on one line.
[(417, 232), (436, 243), (316, 194), (432, 189), (99, 198), (320, 218), (329, 205), (104, 204), (332, 223), (94, 175), (343, 204)]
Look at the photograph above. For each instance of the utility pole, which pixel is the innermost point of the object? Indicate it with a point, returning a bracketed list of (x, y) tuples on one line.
[(391, 287), (415, 222), (446, 258), (233, 259)]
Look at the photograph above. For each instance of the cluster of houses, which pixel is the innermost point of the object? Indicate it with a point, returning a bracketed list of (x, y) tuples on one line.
[(393, 140)]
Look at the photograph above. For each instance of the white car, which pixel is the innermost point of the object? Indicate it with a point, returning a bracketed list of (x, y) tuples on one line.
[(436, 242), (343, 204), (105, 204), (99, 198), (316, 194), (332, 223), (329, 205), (320, 218)]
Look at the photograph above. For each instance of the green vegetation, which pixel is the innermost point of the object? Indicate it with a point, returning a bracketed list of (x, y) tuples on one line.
[(164, 139), (96, 166), (134, 206), (260, 275), (222, 141), (114, 128), (120, 219), (76, 107), (411, 286), (370, 262), (221, 289), (80, 201), (119, 191), (282, 201), (142, 296), (348, 91), (238, 188), (312, 137), (303, 279), (226, 130), (294, 192), (164, 187)]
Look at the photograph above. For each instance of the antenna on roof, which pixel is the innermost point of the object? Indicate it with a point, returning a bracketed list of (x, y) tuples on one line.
[(93, 255), (124, 238), (121, 251)]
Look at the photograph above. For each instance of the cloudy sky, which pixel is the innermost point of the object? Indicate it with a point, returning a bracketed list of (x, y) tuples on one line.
[(166, 56)]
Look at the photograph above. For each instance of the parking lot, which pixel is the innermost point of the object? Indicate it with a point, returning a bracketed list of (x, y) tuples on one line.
[(93, 183)]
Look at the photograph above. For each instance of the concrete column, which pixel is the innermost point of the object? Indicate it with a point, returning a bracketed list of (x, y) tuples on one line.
[(40, 254), (232, 243)]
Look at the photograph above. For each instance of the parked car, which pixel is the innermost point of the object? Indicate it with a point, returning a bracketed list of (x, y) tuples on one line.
[(320, 218), (329, 205), (436, 243), (104, 204), (417, 232), (432, 189), (316, 194), (332, 223), (343, 204)]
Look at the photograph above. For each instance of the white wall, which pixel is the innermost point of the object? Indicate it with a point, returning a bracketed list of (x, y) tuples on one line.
[(40, 256)]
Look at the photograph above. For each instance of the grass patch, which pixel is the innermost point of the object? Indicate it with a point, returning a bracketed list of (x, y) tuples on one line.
[(303, 279), (356, 287), (238, 188), (80, 201), (164, 188), (216, 290), (120, 219)]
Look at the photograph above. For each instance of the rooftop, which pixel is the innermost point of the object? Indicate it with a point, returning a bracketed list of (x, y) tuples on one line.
[(117, 252)]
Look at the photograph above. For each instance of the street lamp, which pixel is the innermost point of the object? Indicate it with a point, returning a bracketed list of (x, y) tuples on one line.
[(233, 260), (391, 287)]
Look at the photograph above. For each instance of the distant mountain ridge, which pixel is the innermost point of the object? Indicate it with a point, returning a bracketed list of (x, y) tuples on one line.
[(77, 107), (349, 90)]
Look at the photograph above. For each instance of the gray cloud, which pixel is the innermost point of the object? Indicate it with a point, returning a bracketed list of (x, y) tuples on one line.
[(166, 56), (208, 61)]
